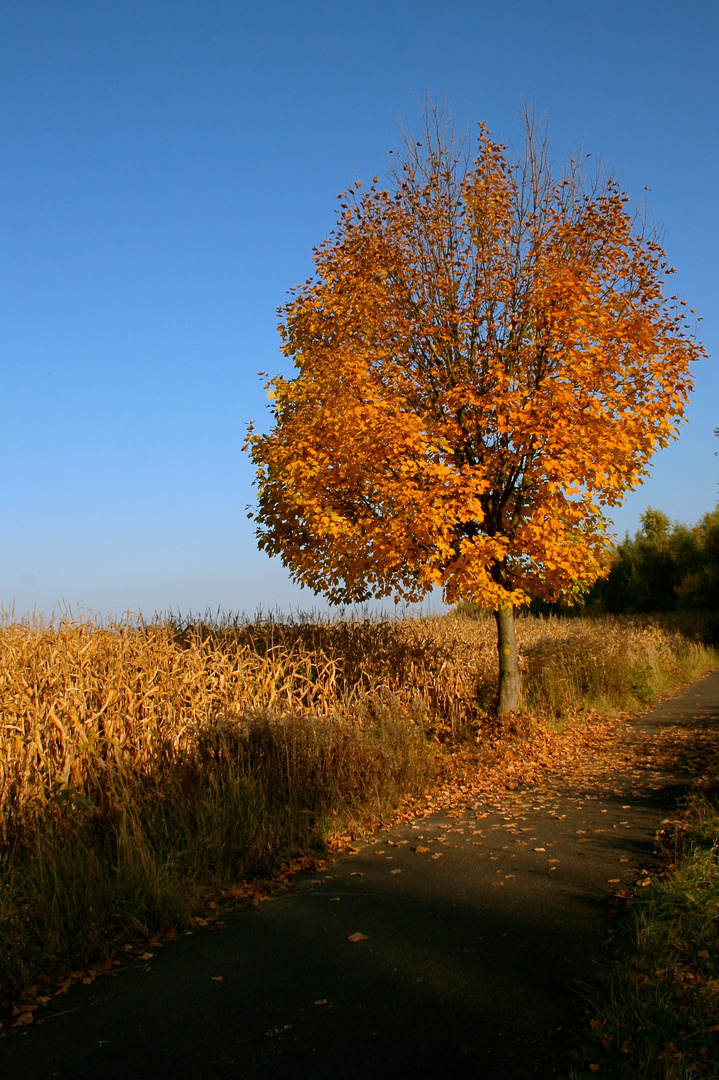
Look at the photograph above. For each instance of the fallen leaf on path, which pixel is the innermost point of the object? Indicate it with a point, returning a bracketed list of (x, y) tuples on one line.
[(321, 1001), (217, 978), (395, 871), (422, 850), (357, 937)]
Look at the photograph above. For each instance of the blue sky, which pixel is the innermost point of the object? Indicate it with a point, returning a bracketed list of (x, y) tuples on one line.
[(168, 168)]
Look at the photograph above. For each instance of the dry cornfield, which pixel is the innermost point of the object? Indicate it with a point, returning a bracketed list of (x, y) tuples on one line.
[(145, 767), (89, 707)]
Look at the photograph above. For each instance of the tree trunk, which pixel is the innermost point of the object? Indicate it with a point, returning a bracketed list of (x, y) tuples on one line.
[(510, 681)]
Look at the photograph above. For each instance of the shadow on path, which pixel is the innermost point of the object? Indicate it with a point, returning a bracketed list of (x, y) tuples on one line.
[(481, 931)]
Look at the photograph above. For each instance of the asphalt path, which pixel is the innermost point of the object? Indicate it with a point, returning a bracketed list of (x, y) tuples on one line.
[(461, 944)]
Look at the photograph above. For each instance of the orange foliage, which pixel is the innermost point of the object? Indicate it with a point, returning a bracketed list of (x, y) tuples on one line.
[(485, 358)]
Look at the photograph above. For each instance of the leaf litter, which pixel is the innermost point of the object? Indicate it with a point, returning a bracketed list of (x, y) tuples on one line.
[(520, 775)]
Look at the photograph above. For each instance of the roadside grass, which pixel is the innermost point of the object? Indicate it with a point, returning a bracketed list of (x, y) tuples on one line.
[(146, 770), (255, 794), (610, 666), (656, 1015)]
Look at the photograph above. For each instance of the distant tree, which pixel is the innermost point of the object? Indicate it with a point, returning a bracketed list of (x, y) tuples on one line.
[(484, 358), (643, 573), (698, 585), (663, 567)]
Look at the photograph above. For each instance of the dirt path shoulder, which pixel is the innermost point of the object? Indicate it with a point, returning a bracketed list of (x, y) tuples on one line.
[(458, 943)]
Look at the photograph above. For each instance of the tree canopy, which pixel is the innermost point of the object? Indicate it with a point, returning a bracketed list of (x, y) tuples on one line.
[(485, 357)]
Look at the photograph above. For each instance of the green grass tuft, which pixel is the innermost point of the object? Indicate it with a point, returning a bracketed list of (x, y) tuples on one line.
[(657, 1015)]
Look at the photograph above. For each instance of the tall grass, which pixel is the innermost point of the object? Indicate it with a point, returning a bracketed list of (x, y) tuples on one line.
[(610, 665), (145, 766), (250, 795)]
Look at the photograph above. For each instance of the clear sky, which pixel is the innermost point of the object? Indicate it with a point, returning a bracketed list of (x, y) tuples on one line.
[(167, 168)]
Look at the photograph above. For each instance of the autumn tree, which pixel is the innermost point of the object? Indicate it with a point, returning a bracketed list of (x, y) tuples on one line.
[(485, 359)]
